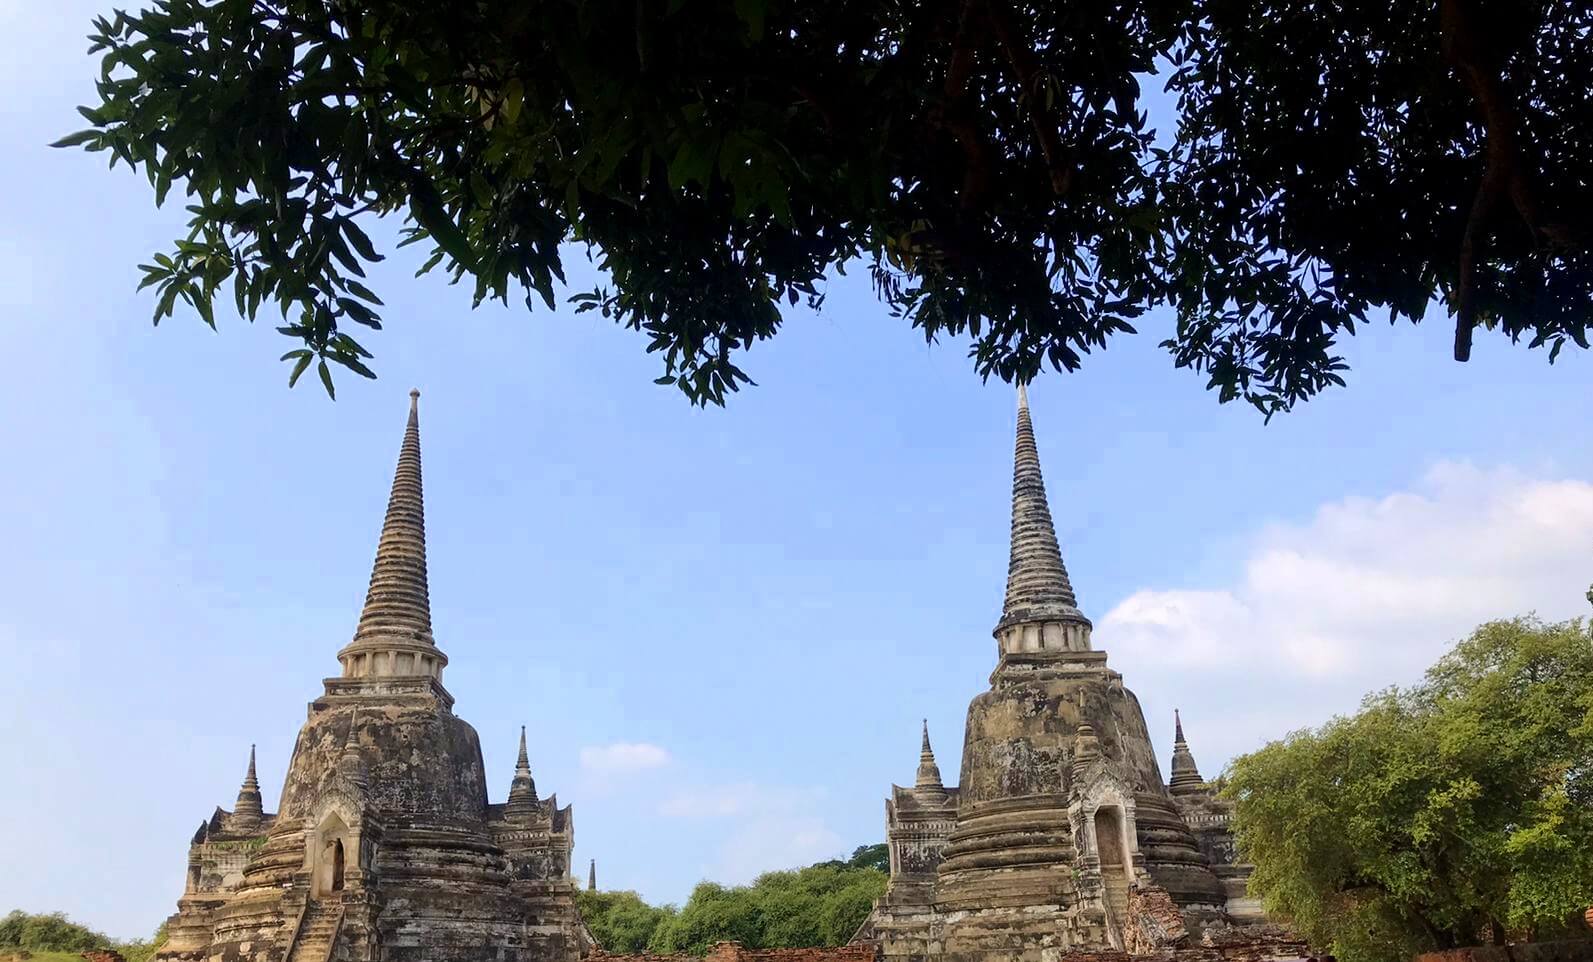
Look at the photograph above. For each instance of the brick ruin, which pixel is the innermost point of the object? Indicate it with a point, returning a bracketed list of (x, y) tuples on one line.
[(1061, 840), (735, 952), (384, 845)]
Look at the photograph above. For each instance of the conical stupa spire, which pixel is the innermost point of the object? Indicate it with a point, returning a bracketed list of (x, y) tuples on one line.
[(351, 764), (1185, 776), (591, 876), (1038, 589), (248, 806), (928, 771), (523, 789), (398, 604)]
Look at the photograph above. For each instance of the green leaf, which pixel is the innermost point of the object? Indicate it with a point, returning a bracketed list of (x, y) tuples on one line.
[(81, 137), (304, 361), (360, 290), (358, 238), (513, 99), (326, 379)]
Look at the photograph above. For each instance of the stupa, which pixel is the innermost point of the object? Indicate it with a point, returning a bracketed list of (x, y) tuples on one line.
[(384, 846), (1061, 836)]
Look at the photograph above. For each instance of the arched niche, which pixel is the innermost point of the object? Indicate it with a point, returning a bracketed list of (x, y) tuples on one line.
[(333, 849)]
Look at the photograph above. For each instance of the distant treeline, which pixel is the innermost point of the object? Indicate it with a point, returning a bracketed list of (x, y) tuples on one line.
[(54, 932), (821, 905)]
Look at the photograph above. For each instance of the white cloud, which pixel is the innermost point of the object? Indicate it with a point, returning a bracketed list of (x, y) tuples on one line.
[(1372, 583), (773, 841), (769, 827), (721, 802), (622, 758), (1366, 593)]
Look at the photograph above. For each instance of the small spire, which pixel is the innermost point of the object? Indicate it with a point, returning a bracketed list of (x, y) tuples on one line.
[(249, 806), (523, 789), (928, 772), (1038, 588), (351, 763), (398, 602), (1185, 776), (591, 876)]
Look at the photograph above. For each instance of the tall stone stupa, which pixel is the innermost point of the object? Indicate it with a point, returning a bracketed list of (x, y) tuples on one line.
[(384, 846), (1061, 835)]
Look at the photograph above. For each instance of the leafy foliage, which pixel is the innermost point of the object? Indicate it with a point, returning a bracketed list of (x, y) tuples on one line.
[(48, 932), (620, 921), (821, 905), (1391, 154), (54, 932), (988, 160), (1457, 811), (876, 857)]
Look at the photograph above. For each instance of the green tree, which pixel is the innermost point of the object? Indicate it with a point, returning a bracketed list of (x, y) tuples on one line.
[(50, 932), (620, 921), (989, 161), (877, 857), (142, 950), (11, 927), (714, 913), (821, 905), (1455, 811)]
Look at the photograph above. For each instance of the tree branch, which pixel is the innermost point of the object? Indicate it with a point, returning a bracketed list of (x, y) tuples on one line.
[(1467, 45), (955, 113), (1021, 57)]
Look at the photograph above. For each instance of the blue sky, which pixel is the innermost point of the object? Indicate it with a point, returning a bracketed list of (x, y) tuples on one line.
[(720, 626)]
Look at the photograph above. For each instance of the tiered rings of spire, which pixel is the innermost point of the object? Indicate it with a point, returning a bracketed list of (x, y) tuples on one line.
[(394, 634), (1040, 613)]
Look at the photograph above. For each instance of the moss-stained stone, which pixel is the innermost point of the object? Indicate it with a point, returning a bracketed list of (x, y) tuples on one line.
[(1061, 837), (384, 845)]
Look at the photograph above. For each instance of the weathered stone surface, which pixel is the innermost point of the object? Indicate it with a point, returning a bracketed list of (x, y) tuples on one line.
[(384, 846), (1061, 836), (735, 952)]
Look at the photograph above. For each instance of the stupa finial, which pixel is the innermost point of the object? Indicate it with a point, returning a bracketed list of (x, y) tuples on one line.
[(928, 771), (523, 802), (1184, 776), (1038, 589), (249, 805), (398, 603)]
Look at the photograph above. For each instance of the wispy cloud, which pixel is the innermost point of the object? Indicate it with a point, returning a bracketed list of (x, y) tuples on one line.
[(622, 758), (1365, 593), (1369, 583), (767, 827)]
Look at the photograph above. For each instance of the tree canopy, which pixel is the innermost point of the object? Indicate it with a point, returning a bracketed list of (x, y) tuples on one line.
[(620, 921), (54, 932), (821, 905), (991, 163), (1453, 812)]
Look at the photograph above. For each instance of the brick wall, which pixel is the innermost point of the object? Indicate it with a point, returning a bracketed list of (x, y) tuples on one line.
[(735, 952)]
